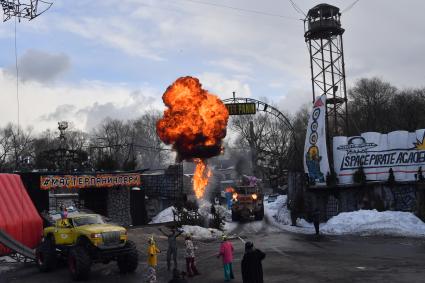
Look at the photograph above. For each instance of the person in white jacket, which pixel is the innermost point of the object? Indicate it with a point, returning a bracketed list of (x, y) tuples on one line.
[(190, 257)]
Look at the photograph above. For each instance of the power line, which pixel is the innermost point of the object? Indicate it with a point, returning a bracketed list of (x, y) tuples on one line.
[(349, 7), (242, 9), (17, 77), (296, 8)]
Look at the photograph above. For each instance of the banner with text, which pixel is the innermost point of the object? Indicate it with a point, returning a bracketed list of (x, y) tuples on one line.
[(89, 181), (402, 151), (316, 163)]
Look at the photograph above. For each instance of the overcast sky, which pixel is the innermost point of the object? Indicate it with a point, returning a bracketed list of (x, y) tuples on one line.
[(83, 60)]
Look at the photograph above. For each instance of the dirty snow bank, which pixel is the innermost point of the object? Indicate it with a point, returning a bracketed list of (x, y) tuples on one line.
[(279, 215), (362, 222), (201, 233), (164, 216), (373, 222)]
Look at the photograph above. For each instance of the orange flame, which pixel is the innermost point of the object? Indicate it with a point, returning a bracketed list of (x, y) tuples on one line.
[(195, 121), (200, 178), (195, 124)]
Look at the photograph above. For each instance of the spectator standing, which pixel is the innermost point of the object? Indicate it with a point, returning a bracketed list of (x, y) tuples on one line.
[(190, 257), (152, 260), (172, 246), (226, 252), (316, 220), (252, 268)]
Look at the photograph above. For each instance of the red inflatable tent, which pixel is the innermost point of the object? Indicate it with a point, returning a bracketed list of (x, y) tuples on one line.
[(18, 216)]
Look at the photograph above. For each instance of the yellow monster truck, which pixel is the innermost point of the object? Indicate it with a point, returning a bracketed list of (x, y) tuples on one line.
[(84, 239)]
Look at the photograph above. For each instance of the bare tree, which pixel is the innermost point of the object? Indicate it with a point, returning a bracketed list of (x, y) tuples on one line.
[(269, 141), (129, 145), (370, 105), (15, 148), (152, 152)]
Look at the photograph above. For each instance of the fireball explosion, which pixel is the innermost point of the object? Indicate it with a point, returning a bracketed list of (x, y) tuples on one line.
[(195, 124)]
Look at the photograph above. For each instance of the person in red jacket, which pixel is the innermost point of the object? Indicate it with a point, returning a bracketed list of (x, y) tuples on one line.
[(226, 252)]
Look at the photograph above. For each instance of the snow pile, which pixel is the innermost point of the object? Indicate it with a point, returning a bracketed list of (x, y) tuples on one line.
[(372, 222), (362, 222), (205, 210), (166, 215), (278, 214), (201, 233)]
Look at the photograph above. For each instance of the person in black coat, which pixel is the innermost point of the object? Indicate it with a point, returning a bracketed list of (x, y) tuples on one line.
[(252, 269), (316, 220)]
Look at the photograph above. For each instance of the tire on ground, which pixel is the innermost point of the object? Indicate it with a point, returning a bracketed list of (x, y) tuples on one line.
[(46, 255), (79, 263), (235, 216), (129, 261), (260, 215)]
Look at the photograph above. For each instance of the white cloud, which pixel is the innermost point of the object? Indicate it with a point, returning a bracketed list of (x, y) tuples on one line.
[(222, 86), (113, 33), (231, 50), (232, 65), (41, 66), (83, 104), (292, 101)]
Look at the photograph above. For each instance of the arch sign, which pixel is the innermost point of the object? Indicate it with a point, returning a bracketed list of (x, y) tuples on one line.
[(316, 163)]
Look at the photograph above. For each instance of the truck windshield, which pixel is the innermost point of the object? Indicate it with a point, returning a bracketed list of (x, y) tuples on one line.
[(246, 190), (87, 220)]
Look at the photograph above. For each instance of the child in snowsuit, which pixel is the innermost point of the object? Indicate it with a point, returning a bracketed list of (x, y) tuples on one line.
[(226, 251), (190, 257), (152, 260)]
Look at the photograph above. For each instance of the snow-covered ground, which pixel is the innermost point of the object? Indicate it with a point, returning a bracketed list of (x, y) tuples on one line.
[(372, 222), (362, 222), (6, 264), (277, 217)]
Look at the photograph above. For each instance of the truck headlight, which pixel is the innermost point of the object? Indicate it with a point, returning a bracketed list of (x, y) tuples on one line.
[(95, 235)]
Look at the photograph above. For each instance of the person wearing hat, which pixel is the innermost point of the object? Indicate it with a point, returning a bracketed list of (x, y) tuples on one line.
[(226, 251), (252, 269), (190, 257), (152, 260)]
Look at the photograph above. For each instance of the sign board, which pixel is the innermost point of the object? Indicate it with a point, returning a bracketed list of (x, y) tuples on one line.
[(316, 163), (241, 108), (402, 151), (89, 181)]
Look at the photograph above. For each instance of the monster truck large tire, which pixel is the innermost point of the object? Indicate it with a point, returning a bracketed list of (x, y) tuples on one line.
[(45, 255), (235, 217), (129, 261), (260, 215), (79, 263)]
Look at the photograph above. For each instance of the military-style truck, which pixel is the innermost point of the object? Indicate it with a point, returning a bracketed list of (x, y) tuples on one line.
[(247, 203), (82, 240)]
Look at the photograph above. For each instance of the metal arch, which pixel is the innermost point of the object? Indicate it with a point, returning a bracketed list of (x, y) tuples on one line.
[(264, 107), (271, 110)]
